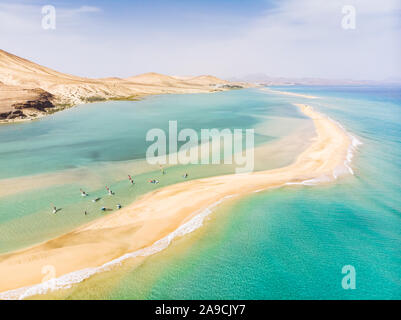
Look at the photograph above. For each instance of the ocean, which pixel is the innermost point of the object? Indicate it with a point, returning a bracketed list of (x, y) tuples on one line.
[(287, 243)]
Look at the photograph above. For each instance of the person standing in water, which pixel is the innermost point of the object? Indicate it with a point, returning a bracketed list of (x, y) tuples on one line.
[(130, 179), (54, 209), (109, 191)]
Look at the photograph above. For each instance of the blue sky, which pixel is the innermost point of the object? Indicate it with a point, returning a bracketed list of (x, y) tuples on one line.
[(291, 38)]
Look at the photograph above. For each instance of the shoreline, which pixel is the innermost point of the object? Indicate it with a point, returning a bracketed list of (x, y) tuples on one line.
[(138, 97), (155, 215), (58, 109), (34, 91), (293, 94)]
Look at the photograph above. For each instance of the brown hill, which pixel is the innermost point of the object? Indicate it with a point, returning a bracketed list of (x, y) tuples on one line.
[(29, 90)]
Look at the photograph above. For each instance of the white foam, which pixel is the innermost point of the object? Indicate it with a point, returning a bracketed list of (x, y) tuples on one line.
[(67, 280), (355, 142)]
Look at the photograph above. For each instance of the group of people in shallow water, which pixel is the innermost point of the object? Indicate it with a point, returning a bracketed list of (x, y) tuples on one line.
[(111, 193)]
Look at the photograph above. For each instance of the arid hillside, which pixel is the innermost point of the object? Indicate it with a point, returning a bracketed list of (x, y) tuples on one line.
[(29, 90)]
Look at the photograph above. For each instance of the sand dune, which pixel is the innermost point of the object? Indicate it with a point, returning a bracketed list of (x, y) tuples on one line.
[(158, 214), (205, 80), (60, 90), (153, 78)]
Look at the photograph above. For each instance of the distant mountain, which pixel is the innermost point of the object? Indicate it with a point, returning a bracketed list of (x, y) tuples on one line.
[(264, 79), (157, 78)]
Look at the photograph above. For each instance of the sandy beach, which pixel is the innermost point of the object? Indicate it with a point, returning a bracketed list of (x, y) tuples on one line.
[(293, 94), (158, 214)]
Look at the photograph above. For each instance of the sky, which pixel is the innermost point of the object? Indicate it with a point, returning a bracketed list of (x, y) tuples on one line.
[(226, 38)]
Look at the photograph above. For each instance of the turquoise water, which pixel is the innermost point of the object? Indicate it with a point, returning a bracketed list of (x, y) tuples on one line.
[(116, 131), (46, 162), (292, 242), (287, 243)]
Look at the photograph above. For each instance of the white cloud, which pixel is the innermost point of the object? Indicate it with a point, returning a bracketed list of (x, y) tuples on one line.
[(296, 38), (305, 38), (88, 9)]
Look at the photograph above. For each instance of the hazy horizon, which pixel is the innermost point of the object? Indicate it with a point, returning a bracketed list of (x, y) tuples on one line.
[(289, 38)]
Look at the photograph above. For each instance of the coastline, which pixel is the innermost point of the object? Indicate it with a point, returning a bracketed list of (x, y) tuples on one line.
[(34, 91), (138, 97), (155, 216), (57, 108), (293, 94)]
